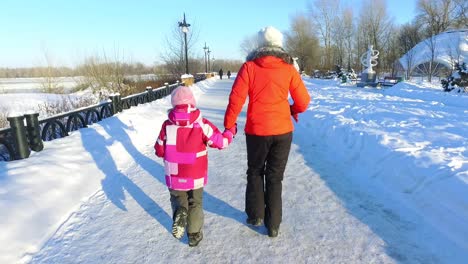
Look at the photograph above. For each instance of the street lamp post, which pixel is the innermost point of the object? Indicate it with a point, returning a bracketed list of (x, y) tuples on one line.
[(209, 51), (212, 63), (206, 63), (184, 27)]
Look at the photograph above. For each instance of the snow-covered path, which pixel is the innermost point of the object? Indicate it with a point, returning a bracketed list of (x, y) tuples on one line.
[(326, 217)]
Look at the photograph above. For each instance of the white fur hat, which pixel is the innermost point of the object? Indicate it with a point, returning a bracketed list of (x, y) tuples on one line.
[(270, 36)]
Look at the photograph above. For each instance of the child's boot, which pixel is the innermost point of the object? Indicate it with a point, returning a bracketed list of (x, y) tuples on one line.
[(180, 221), (195, 238)]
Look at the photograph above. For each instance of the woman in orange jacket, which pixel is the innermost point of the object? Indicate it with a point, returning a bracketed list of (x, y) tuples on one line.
[(267, 78)]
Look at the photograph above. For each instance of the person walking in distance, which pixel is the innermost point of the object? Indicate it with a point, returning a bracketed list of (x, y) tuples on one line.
[(267, 78), (220, 74), (182, 143), (229, 74)]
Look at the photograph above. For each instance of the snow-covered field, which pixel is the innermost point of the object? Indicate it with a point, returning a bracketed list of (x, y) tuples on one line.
[(34, 85), (22, 95), (374, 176)]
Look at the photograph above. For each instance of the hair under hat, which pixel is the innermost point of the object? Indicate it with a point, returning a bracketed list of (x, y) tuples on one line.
[(182, 95), (270, 36)]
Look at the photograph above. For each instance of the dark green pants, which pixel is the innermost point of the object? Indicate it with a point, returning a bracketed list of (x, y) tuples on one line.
[(266, 157), (193, 201)]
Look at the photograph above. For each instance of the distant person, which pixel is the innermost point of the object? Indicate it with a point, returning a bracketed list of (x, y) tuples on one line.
[(220, 74), (182, 142), (267, 78), (229, 74)]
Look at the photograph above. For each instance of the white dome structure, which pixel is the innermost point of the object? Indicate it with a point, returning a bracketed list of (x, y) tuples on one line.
[(449, 47)]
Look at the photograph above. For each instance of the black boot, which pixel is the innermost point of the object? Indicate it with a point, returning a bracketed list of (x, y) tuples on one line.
[(273, 231), (254, 221), (195, 238), (180, 221)]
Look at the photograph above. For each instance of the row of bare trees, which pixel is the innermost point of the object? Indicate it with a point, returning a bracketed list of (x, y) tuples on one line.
[(326, 34), (174, 56), (330, 33), (61, 71), (435, 17)]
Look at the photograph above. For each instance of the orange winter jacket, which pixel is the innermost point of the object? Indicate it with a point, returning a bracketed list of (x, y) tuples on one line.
[(268, 81)]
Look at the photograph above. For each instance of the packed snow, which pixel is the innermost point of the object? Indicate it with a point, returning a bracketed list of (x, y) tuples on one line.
[(374, 176)]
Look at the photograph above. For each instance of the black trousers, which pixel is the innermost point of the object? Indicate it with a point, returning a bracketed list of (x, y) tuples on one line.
[(266, 157)]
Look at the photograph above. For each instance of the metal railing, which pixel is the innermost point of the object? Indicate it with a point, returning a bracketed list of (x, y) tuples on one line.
[(6, 144), (17, 141)]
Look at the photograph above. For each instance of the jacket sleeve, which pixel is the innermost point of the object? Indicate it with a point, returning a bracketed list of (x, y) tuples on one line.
[(237, 98), (160, 144), (213, 137), (299, 93)]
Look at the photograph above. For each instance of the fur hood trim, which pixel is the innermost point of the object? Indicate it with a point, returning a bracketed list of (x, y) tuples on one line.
[(270, 51)]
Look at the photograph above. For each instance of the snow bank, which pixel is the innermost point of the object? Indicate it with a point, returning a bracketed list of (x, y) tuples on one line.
[(411, 141)]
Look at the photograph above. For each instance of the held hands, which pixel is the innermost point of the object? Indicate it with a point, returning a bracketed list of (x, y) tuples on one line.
[(294, 114), (233, 130), (230, 133)]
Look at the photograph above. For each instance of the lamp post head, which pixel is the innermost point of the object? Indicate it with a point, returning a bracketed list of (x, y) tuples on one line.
[(184, 25)]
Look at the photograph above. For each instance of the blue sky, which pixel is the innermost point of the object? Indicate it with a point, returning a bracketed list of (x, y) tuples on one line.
[(69, 31)]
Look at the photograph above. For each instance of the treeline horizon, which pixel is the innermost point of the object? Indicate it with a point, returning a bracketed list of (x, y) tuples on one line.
[(325, 35), (64, 71), (330, 33), (137, 68)]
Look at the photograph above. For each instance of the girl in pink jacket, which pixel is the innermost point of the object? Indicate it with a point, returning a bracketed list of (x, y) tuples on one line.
[(182, 142)]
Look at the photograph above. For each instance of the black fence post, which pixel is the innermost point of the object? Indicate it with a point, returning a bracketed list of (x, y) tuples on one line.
[(119, 103), (34, 132), (149, 90), (166, 91), (115, 104), (19, 137)]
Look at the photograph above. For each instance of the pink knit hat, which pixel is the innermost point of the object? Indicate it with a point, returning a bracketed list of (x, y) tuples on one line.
[(182, 95)]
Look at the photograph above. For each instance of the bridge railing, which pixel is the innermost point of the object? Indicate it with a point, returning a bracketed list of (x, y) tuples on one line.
[(17, 141)]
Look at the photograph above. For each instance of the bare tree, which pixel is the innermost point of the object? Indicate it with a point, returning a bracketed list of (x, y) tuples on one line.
[(174, 55), (454, 53), (393, 53), (324, 13), (461, 11), (375, 21), (435, 17), (248, 44), (375, 26), (227, 64), (105, 74), (49, 82), (408, 37), (302, 43), (342, 37)]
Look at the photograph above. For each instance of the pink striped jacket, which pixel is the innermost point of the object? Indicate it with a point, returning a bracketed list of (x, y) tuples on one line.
[(182, 142)]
